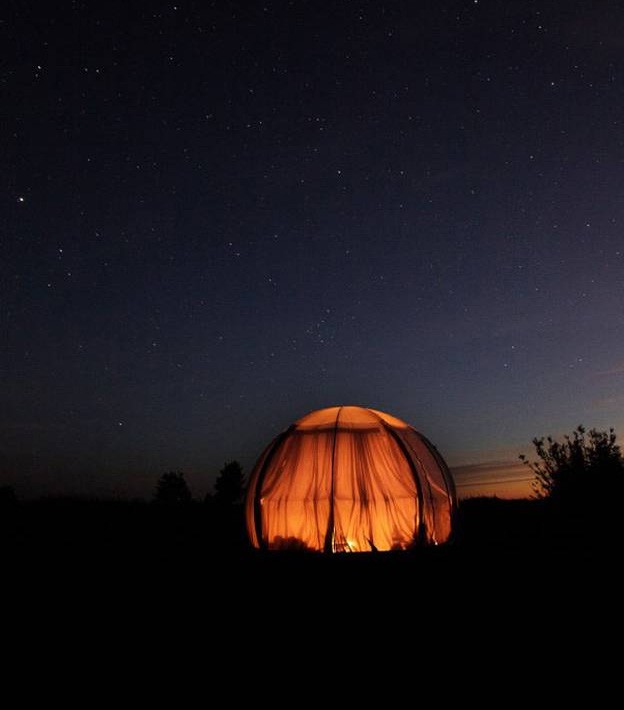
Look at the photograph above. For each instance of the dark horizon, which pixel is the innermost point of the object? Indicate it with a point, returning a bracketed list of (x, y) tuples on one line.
[(218, 218), (502, 479)]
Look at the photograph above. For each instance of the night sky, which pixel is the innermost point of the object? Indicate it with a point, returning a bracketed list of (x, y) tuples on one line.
[(218, 216)]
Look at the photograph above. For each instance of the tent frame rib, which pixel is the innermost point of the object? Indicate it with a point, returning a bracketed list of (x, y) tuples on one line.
[(328, 546), (263, 544), (446, 477), (420, 533)]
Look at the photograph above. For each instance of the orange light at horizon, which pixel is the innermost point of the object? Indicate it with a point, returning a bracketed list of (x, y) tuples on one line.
[(505, 479)]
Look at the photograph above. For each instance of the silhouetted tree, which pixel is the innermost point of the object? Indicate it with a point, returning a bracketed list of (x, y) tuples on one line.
[(172, 489), (577, 468), (230, 484)]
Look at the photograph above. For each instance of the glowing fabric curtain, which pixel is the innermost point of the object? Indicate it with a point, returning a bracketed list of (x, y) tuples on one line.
[(348, 479)]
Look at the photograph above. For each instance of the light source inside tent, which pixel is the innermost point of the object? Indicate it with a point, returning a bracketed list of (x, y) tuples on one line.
[(349, 479)]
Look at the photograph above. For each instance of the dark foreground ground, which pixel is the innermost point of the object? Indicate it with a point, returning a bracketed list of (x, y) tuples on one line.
[(160, 595), (133, 542)]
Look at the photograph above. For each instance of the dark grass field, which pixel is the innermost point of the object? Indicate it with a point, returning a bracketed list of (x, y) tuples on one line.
[(140, 591), (133, 542)]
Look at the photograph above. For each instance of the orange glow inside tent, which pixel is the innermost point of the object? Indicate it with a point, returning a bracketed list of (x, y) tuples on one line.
[(349, 479)]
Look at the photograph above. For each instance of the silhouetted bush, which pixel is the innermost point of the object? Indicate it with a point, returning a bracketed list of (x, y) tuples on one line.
[(580, 481), (575, 469), (290, 544)]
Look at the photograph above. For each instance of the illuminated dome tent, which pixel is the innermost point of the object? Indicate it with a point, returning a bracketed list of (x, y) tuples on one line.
[(349, 479)]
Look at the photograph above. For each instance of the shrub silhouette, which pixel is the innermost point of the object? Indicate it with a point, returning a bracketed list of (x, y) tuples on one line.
[(290, 544), (579, 467)]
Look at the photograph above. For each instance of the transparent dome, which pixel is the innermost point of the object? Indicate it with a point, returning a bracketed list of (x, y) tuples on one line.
[(349, 479)]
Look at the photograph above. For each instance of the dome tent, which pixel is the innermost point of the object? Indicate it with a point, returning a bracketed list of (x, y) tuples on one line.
[(349, 479)]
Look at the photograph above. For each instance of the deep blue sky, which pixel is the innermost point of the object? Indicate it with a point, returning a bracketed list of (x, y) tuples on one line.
[(217, 217)]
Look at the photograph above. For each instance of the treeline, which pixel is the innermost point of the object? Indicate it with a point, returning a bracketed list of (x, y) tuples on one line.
[(229, 488), (172, 522), (579, 482)]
